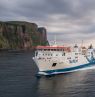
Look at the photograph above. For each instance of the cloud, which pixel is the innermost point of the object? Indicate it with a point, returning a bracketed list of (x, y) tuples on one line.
[(70, 20)]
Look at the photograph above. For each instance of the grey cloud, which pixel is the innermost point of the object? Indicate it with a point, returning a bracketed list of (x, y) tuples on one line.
[(45, 7), (75, 18), (41, 8)]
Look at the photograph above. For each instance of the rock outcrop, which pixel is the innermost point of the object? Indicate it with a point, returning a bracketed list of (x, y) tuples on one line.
[(21, 35)]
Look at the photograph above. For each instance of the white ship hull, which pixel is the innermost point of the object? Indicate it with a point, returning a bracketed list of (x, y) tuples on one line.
[(45, 68), (57, 64)]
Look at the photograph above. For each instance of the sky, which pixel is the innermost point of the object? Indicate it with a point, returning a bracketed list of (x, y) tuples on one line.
[(71, 21)]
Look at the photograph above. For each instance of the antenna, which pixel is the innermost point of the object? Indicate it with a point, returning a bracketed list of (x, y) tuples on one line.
[(55, 44), (82, 44), (55, 39)]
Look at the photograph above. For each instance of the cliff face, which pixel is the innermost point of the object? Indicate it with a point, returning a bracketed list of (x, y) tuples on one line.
[(21, 35)]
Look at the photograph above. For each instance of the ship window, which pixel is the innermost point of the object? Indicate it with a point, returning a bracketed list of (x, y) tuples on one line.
[(76, 60), (64, 54), (76, 53), (70, 61), (57, 49), (60, 49), (48, 49), (48, 54), (56, 54), (44, 49), (54, 64)]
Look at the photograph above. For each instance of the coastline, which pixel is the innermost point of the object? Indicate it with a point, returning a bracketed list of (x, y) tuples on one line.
[(15, 50)]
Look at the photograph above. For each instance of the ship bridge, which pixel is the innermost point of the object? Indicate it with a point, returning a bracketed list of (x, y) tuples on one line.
[(53, 48)]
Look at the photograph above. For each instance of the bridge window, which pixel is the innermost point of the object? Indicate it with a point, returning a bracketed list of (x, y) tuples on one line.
[(57, 49), (40, 49), (60, 49)]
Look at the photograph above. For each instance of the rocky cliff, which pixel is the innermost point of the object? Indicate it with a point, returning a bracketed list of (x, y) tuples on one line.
[(21, 35)]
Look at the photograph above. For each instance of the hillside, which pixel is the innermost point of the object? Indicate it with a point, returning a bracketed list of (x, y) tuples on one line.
[(21, 35)]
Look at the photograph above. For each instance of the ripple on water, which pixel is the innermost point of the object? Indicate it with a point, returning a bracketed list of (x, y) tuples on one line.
[(17, 79)]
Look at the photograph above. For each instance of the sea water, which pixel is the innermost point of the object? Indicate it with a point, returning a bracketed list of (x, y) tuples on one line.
[(17, 79)]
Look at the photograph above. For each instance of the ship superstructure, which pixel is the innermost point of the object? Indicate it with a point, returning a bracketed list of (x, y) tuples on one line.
[(62, 59)]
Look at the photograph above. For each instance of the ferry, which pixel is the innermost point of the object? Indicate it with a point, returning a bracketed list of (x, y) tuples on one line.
[(52, 60)]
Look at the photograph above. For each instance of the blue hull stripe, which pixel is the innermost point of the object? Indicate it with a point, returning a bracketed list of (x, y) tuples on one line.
[(69, 69)]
